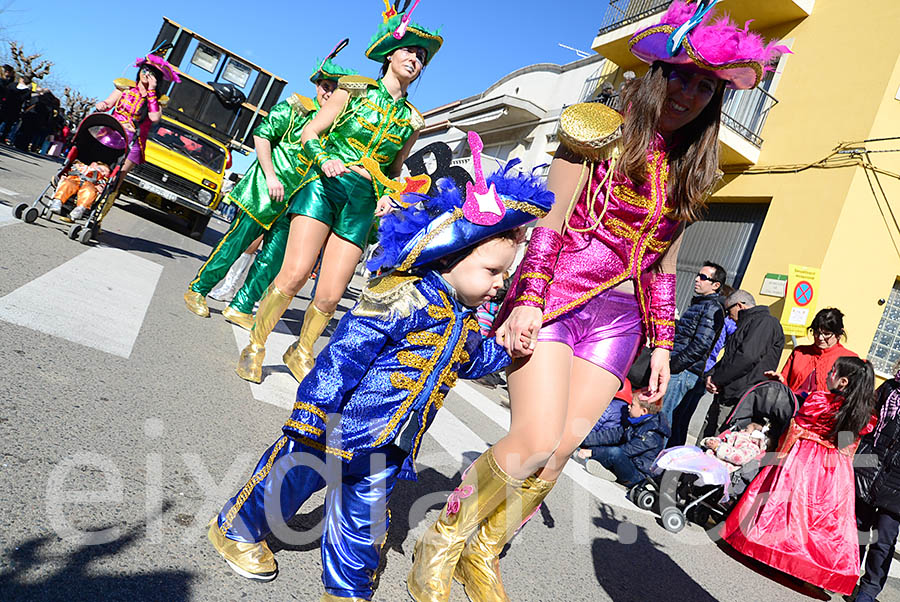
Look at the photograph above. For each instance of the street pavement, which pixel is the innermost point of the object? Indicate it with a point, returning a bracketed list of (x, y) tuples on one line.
[(125, 429)]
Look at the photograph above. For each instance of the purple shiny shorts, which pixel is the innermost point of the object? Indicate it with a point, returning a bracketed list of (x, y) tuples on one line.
[(605, 331), (135, 152)]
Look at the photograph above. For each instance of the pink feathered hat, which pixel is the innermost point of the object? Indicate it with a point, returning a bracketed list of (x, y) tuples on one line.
[(160, 63), (686, 36)]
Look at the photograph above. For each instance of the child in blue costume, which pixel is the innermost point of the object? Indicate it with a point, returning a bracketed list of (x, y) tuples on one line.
[(361, 413)]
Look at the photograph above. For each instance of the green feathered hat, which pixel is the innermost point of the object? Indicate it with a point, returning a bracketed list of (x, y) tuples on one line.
[(330, 70), (384, 42)]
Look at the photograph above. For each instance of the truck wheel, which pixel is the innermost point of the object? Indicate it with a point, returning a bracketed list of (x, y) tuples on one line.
[(198, 226)]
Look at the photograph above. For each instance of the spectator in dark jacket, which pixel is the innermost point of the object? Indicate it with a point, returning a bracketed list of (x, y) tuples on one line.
[(625, 453), (14, 95), (695, 334), (753, 349), (880, 508)]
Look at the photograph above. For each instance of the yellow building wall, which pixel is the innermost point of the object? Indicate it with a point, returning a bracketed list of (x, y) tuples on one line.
[(838, 86)]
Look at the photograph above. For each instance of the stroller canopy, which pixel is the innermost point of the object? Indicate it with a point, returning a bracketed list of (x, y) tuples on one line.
[(100, 138)]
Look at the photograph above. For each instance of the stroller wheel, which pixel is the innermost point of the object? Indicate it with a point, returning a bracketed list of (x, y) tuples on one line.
[(30, 215), (19, 210), (74, 230), (644, 499), (84, 237), (673, 519)]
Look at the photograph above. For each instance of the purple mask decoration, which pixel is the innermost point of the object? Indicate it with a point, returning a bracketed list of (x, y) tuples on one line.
[(108, 137)]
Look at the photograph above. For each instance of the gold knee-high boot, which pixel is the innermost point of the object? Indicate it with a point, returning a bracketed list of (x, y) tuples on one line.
[(479, 566), (270, 310), (299, 357), (483, 489)]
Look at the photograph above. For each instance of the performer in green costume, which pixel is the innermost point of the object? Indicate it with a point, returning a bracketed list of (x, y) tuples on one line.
[(262, 195), (369, 128)]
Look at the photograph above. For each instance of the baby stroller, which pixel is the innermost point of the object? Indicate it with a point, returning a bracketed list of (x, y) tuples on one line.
[(99, 138), (688, 484)]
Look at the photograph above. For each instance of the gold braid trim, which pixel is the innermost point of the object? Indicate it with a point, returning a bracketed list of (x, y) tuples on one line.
[(306, 428), (251, 484)]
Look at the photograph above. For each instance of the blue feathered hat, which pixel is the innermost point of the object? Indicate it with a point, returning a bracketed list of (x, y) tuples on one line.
[(444, 222)]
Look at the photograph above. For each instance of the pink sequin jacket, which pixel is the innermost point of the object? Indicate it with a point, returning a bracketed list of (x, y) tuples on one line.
[(634, 232)]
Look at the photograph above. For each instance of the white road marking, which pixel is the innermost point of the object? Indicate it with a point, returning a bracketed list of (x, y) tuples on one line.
[(6, 215), (97, 299), (6, 192), (601, 489), (278, 386)]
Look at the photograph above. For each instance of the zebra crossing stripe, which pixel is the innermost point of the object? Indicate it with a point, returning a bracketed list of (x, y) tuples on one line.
[(97, 299), (6, 215)]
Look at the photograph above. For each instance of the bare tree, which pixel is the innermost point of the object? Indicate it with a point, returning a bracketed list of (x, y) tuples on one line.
[(77, 105), (29, 64)]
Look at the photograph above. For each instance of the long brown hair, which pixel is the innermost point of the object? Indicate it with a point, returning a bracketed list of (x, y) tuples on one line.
[(694, 154)]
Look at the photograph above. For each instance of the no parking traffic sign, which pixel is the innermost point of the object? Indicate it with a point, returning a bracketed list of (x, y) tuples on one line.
[(800, 304)]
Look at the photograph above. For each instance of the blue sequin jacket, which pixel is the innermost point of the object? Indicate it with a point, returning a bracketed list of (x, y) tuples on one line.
[(388, 367)]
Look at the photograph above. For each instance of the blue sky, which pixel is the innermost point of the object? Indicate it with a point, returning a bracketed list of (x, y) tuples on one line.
[(91, 44)]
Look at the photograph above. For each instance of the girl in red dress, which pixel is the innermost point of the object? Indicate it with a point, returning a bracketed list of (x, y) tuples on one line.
[(798, 515)]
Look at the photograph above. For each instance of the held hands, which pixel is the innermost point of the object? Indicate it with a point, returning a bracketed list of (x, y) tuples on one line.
[(334, 168), (519, 332), (383, 207), (711, 386), (773, 375), (276, 188), (659, 376)]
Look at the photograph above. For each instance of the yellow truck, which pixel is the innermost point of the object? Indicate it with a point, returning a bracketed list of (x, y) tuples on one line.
[(210, 113), (182, 173)]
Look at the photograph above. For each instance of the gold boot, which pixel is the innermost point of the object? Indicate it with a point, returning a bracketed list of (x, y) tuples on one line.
[(196, 303), (479, 566), (299, 356), (251, 560), (238, 318), (484, 487), (270, 310)]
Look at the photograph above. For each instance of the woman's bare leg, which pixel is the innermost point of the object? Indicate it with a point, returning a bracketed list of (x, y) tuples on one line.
[(590, 391), (304, 242), (338, 264), (538, 392)]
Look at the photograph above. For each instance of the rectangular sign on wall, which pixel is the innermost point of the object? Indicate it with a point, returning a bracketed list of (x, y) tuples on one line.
[(800, 300)]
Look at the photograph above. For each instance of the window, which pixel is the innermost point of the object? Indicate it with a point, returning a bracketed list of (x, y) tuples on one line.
[(885, 349)]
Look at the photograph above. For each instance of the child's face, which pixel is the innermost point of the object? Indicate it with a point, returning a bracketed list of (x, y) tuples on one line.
[(479, 276), (636, 410)]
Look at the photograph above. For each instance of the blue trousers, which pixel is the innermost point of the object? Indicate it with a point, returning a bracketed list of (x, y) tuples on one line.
[(881, 551), (356, 516), (684, 411), (614, 459), (679, 385)]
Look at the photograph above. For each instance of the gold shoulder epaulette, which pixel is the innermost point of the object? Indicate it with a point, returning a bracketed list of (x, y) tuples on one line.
[(123, 83), (591, 129), (302, 105), (416, 120), (356, 83), (391, 296)]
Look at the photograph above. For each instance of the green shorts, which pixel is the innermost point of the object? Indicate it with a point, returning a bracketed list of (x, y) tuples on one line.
[(346, 203)]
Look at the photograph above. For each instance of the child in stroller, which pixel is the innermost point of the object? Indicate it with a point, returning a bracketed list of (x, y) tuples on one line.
[(86, 183), (736, 448)]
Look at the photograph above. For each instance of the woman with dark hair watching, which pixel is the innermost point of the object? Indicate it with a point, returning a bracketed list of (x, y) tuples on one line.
[(808, 365), (879, 506), (597, 279), (361, 136), (796, 515)]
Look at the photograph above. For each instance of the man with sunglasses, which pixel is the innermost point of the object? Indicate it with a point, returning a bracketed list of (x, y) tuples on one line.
[(754, 349), (695, 334)]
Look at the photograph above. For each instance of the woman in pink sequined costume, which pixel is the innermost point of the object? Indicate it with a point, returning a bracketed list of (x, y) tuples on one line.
[(597, 280), (138, 108)]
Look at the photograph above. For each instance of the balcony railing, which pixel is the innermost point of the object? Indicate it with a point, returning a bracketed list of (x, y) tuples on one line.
[(745, 112), (620, 13)]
